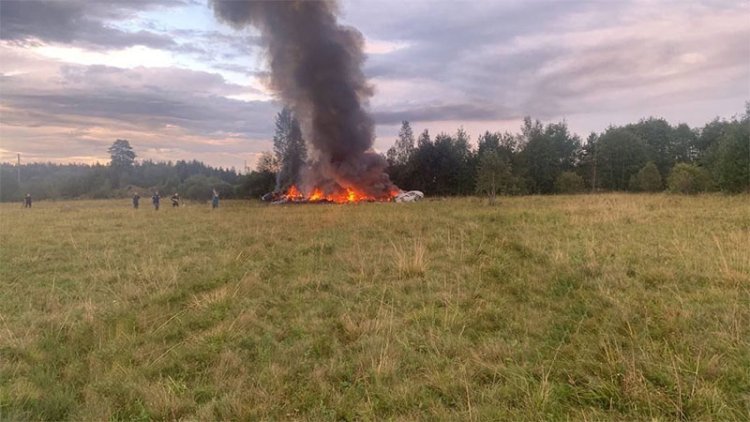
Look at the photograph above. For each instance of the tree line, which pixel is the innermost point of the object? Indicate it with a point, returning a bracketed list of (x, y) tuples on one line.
[(650, 155), (121, 177)]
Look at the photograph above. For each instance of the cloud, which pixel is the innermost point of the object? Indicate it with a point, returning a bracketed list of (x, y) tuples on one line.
[(79, 22), (551, 60), (151, 97), (433, 113), (51, 109)]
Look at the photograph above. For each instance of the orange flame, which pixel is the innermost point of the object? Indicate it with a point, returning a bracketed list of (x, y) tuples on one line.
[(316, 195), (349, 195), (294, 194)]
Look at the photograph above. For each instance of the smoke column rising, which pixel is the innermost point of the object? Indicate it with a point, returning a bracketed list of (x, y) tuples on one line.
[(316, 68)]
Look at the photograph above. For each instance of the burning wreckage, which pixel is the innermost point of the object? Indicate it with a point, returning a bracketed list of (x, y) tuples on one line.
[(348, 196), (316, 70)]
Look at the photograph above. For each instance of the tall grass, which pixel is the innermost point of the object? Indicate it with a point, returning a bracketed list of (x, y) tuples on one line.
[(593, 307)]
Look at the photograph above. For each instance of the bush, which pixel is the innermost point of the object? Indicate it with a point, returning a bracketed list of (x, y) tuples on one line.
[(569, 182), (648, 179), (688, 178), (257, 184)]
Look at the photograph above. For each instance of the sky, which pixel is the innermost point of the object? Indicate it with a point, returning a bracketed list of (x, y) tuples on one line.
[(75, 75)]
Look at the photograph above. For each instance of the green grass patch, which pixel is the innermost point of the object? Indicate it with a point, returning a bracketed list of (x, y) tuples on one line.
[(598, 307)]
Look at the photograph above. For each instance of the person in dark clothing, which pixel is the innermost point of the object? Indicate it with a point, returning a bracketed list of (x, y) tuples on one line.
[(155, 200), (175, 200), (215, 200), (27, 201), (136, 200)]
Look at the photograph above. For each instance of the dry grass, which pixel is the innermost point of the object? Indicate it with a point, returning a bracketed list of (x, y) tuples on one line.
[(410, 262), (602, 307)]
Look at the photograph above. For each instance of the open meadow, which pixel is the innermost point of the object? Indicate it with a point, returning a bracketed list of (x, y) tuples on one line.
[(589, 307)]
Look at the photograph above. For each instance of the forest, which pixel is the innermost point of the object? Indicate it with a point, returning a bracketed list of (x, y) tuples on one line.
[(650, 155)]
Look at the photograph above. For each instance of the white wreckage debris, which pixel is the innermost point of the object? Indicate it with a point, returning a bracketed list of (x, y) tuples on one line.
[(410, 196)]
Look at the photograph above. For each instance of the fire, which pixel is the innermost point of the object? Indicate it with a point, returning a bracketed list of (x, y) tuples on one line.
[(344, 196), (316, 195), (294, 193)]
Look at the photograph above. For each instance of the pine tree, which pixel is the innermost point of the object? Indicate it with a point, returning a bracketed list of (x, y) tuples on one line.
[(289, 148), (121, 154), (402, 150), (122, 160)]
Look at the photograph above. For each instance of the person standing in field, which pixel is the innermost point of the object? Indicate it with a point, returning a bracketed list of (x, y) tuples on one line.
[(155, 201), (136, 200), (175, 200), (215, 200), (27, 201)]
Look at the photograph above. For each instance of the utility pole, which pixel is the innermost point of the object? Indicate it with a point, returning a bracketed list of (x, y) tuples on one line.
[(18, 171)]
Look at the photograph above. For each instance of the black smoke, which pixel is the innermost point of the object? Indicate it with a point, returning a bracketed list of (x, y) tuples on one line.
[(316, 68)]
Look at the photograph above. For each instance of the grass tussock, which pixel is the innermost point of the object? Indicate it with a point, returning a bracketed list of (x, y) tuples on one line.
[(592, 307), (410, 262)]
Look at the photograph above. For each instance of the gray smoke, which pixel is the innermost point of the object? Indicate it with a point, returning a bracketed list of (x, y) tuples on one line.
[(316, 68)]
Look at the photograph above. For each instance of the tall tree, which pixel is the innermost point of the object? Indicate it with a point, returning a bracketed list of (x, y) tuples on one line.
[(731, 167), (488, 142), (503, 143), (419, 170), (122, 160), (417, 173), (466, 172), (657, 136), (401, 151), (586, 165), (290, 149), (548, 151), (443, 167), (121, 154), (620, 155), (400, 154), (682, 144), (424, 138)]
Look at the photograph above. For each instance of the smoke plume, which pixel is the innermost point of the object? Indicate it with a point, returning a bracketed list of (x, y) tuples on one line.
[(316, 68)]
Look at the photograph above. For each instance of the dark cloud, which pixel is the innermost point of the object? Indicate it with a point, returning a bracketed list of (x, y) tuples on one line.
[(211, 116), (146, 97), (550, 59), (449, 41), (618, 76), (79, 22)]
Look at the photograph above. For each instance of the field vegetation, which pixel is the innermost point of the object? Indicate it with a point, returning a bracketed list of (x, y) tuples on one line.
[(580, 307)]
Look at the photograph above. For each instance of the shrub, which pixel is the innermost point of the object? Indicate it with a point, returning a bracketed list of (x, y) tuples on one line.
[(257, 184), (569, 182), (688, 178), (649, 179)]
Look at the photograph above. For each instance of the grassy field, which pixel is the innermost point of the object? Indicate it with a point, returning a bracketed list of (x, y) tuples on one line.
[(601, 307)]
